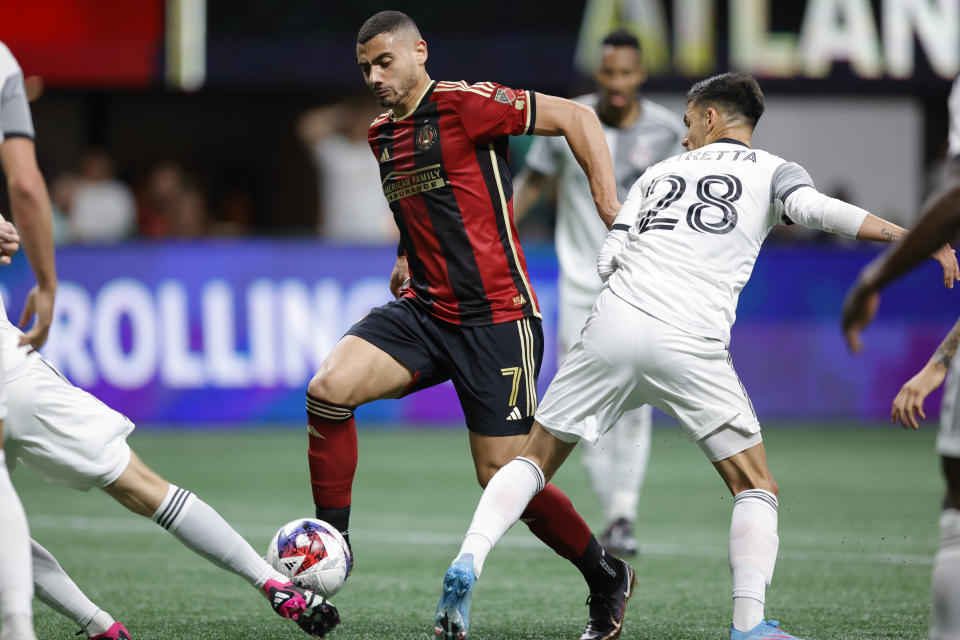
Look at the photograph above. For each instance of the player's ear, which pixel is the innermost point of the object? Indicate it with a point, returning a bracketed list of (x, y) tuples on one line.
[(421, 51), (712, 118)]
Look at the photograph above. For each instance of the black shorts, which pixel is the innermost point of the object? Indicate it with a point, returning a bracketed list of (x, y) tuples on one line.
[(494, 368)]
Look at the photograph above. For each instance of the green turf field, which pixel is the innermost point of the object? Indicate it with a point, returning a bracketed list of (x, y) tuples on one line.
[(858, 527)]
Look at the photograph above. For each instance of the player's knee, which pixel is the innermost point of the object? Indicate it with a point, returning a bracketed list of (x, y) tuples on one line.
[(485, 473), (138, 488), (329, 385)]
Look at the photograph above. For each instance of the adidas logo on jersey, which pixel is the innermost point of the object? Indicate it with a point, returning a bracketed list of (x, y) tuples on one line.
[(385, 156), (515, 414)]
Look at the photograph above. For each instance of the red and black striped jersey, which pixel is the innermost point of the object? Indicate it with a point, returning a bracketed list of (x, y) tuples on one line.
[(445, 173)]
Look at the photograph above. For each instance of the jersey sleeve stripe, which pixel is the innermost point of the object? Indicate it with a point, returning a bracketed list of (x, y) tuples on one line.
[(531, 113)]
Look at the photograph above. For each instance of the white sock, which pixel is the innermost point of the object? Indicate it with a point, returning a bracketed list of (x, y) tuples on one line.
[(753, 554), (945, 587), (56, 590), (505, 498), (16, 578), (194, 523), (631, 451), (99, 623)]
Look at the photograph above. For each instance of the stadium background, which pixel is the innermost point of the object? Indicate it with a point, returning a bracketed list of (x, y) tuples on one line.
[(218, 323)]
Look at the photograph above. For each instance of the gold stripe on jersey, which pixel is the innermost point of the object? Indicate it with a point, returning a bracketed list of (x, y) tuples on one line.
[(463, 86), (506, 221), (383, 117)]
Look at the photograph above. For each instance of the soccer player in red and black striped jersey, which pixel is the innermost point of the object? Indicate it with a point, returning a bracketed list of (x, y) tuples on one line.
[(465, 310)]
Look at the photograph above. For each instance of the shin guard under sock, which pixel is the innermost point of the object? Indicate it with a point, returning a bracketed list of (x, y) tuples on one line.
[(332, 456)]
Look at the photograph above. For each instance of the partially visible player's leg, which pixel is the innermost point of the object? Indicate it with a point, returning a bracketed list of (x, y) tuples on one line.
[(945, 582), (362, 367), (616, 465), (519, 490), (753, 527), (16, 580), (202, 530), (56, 590), (617, 462), (71, 438)]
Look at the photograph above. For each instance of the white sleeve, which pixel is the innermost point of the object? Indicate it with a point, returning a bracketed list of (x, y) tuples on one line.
[(542, 156), (15, 117), (617, 236), (809, 207)]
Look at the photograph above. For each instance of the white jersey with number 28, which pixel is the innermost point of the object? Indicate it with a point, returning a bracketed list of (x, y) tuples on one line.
[(696, 223)]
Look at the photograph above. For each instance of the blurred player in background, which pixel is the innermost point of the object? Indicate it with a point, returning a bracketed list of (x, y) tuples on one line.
[(639, 133), (940, 222), (31, 212), (69, 437), (675, 261), (465, 310)]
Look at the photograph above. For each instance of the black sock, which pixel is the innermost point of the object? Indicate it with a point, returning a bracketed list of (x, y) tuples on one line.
[(338, 517), (602, 572)]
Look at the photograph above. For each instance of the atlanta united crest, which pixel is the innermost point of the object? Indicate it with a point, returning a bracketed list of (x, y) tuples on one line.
[(426, 137)]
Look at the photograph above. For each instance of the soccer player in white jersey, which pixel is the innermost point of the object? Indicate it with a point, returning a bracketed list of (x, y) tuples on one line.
[(31, 206), (639, 133), (940, 221), (69, 437), (675, 260)]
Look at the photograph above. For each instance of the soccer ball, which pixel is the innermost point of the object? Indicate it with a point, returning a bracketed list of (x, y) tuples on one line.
[(312, 553)]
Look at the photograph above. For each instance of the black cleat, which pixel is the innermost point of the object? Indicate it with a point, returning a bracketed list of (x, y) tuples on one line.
[(607, 609), (320, 616)]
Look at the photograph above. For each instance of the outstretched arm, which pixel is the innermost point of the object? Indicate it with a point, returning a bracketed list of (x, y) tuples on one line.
[(909, 401), (31, 212), (939, 223), (581, 127)]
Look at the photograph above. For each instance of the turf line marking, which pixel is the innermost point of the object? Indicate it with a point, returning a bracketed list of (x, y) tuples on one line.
[(133, 525)]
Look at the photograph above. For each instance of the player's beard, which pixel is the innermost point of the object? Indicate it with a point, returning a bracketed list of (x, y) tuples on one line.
[(396, 96)]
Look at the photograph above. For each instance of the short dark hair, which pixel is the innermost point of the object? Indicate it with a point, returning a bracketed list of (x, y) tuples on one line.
[(733, 92), (621, 38), (385, 22)]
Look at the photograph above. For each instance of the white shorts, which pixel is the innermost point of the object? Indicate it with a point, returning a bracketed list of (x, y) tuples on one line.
[(948, 438), (63, 433), (626, 358), (572, 314)]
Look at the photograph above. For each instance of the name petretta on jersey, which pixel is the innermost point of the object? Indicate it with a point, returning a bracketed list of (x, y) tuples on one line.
[(401, 184), (741, 154)]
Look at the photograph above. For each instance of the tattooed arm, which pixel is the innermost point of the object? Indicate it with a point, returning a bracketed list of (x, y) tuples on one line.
[(909, 401)]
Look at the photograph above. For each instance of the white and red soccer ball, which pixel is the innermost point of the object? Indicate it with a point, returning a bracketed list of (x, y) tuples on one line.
[(312, 553)]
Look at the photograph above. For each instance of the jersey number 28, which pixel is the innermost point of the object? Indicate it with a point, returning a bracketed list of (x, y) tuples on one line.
[(731, 189)]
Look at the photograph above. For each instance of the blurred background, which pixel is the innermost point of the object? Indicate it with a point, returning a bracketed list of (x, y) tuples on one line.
[(220, 221)]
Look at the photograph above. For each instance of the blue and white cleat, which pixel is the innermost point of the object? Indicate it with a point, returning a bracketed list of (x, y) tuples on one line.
[(766, 630), (453, 610)]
